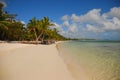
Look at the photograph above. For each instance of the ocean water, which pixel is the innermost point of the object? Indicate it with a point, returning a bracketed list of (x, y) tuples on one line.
[(92, 60)]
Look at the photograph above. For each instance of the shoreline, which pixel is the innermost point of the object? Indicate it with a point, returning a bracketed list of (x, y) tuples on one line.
[(29, 62), (77, 72)]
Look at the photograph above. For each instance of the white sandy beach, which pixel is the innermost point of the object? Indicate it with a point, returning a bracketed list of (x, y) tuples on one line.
[(31, 62)]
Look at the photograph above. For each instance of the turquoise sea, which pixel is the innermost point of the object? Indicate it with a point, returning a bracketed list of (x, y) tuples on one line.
[(92, 60)]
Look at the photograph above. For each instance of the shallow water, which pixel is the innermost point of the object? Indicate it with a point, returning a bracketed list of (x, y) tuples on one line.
[(92, 60)]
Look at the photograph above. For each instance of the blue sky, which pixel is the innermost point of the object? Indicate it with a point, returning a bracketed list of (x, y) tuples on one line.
[(97, 19)]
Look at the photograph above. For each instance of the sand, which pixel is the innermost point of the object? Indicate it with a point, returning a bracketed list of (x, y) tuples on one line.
[(31, 62)]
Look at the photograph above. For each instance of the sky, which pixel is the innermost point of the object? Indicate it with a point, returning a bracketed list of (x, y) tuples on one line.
[(97, 19)]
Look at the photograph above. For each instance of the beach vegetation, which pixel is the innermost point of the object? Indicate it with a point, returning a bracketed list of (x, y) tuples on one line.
[(36, 29)]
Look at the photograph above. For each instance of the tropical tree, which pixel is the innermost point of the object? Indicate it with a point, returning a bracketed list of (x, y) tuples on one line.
[(45, 22), (5, 16), (11, 31), (2, 17), (52, 34), (3, 30), (9, 17), (32, 26), (39, 27), (15, 31)]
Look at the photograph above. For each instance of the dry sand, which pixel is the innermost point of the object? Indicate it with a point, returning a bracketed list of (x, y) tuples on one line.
[(31, 62)]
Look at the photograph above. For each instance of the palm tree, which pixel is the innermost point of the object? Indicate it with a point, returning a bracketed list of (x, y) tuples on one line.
[(45, 23), (11, 31), (39, 27), (10, 17), (1, 12), (3, 30), (32, 26)]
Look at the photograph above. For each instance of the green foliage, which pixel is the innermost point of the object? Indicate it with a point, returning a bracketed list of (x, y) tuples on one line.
[(10, 29), (41, 29)]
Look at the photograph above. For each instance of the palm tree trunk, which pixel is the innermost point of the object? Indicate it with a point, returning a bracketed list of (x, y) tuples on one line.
[(39, 36), (35, 34), (42, 38)]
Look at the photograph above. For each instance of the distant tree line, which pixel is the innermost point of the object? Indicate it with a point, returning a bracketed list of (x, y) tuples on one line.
[(35, 30)]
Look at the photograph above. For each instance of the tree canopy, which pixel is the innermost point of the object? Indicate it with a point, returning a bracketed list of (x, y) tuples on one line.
[(36, 29)]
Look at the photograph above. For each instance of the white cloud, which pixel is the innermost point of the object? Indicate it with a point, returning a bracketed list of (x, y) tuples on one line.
[(75, 18), (114, 12), (91, 17), (66, 23), (22, 22), (93, 23), (112, 25), (73, 28), (65, 17), (93, 28), (59, 28)]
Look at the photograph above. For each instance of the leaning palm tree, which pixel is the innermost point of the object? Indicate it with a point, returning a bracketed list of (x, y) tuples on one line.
[(39, 27), (45, 24), (32, 26)]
